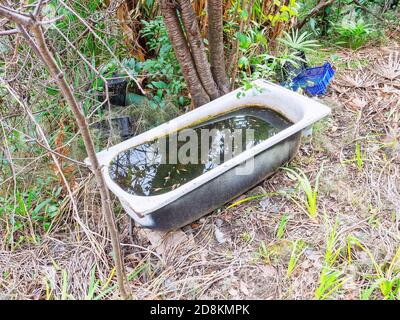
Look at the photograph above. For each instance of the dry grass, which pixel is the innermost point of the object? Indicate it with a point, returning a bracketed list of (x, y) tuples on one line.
[(362, 197)]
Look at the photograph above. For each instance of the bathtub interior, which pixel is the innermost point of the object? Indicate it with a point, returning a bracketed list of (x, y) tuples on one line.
[(147, 170), (300, 110)]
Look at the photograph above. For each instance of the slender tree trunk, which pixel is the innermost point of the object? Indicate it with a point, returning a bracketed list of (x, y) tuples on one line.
[(183, 54), (58, 75), (216, 44), (197, 48), (38, 44)]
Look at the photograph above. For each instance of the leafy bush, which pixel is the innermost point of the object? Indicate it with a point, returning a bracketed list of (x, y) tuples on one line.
[(163, 73), (352, 34), (348, 24)]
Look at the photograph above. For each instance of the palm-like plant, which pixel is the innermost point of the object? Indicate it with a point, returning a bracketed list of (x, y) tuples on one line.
[(352, 34), (311, 193), (296, 41)]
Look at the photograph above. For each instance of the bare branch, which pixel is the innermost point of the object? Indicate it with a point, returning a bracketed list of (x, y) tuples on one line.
[(15, 16), (38, 8), (50, 21), (320, 6), (8, 32), (7, 153)]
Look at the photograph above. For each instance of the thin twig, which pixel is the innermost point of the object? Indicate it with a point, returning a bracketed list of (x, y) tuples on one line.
[(319, 7), (15, 16), (8, 32)]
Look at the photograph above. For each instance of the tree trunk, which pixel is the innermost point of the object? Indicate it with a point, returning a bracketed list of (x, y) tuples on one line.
[(197, 48), (216, 44), (58, 76), (183, 54)]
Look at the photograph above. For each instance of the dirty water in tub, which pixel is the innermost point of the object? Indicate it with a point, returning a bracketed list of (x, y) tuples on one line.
[(162, 165)]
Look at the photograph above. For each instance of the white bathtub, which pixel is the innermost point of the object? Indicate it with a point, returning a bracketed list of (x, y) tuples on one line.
[(221, 184)]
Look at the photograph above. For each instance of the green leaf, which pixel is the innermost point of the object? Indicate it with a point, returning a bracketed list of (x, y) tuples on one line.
[(46, 226), (243, 62), (244, 15), (282, 226), (181, 101), (52, 91), (244, 40), (386, 287), (284, 8), (160, 84), (40, 206)]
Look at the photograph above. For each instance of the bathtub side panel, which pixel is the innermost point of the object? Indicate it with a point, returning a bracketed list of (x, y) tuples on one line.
[(223, 188)]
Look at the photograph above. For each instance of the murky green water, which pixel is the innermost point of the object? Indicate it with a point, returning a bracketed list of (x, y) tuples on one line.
[(162, 165)]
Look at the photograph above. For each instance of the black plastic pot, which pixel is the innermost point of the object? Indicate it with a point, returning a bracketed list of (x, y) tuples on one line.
[(117, 89), (290, 70), (123, 127)]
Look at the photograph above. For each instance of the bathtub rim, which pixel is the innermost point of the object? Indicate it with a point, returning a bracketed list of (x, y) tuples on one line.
[(312, 111)]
